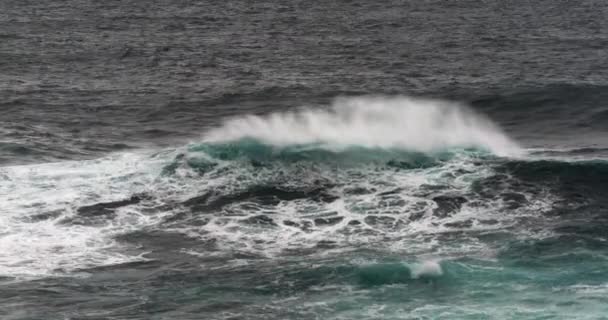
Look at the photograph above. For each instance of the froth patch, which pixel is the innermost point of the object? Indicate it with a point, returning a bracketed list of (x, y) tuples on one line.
[(429, 268), (39, 200)]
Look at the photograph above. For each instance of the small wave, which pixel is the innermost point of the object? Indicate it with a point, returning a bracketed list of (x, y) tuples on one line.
[(425, 269), (397, 272), (539, 170), (374, 122), (570, 154)]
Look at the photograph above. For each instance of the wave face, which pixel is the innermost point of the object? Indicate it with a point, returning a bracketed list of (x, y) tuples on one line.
[(396, 199), (373, 122)]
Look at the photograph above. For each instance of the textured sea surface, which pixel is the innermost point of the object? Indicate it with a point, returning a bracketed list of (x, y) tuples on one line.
[(303, 160)]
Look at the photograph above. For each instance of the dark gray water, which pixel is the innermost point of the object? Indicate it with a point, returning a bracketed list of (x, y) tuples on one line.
[(125, 193), (83, 78)]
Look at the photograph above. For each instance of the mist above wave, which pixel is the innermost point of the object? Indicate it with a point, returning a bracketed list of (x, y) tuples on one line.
[(413, 124)]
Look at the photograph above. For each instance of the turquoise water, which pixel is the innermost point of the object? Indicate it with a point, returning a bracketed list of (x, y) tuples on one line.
[(526, 244), (527, 279), (245, 230)]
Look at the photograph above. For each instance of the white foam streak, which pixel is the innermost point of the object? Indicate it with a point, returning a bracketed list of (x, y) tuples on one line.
[(398, 122), (428, 268), (31, 247)]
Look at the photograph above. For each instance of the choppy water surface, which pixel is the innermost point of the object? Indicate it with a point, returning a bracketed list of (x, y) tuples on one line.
[(277, 161)]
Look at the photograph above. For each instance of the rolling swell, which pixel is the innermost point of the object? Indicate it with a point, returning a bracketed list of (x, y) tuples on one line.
[(576, 182), (580, 187), (550, 115), (204, 156)]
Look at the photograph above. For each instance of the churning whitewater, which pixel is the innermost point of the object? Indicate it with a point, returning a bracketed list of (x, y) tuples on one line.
[(340, 160), (373, 169), (392, 192), (370, 195)]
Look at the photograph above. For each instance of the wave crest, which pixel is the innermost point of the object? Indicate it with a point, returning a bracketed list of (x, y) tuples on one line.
[(421, 125)]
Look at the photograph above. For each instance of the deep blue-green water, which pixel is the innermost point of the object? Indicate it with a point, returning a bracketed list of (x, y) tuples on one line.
[(303, 160)]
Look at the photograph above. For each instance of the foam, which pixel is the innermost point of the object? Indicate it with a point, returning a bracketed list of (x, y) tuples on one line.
[(386, 122), (33, 247), (395, 196), (429, 268), (29, 247)]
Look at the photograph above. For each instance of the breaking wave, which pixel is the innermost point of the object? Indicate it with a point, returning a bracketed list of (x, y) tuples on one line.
[(375, 122), (402, 174)]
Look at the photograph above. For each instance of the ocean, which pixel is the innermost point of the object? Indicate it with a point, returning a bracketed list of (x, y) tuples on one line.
[(342, 159)]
